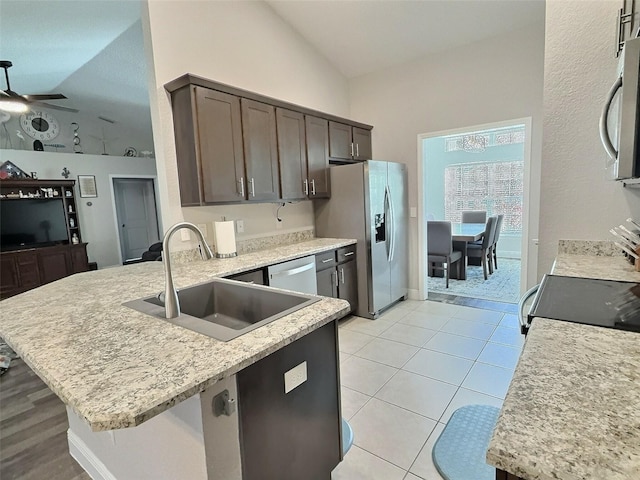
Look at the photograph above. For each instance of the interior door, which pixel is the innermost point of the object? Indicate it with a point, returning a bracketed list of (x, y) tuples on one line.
[(136, 215)]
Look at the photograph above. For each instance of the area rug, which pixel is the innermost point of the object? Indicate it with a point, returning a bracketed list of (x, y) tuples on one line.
[(502, 286), (459, 453)]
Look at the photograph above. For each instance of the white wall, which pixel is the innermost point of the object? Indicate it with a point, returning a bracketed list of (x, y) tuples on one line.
[(578, 202), (489, 81), (97, 222), (244, 44)]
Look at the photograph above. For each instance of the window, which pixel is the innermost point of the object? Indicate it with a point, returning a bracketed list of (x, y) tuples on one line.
[(496, 187)]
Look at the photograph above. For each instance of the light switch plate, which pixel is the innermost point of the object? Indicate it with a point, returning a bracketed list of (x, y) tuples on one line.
[(413, 212), (184, 235), (240, 226), (295, 377)]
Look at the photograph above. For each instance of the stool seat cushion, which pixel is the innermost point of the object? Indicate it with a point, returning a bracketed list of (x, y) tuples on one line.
[(459, 453)]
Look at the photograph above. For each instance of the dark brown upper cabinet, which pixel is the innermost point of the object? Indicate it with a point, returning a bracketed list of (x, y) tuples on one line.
[(303, 150), (348, 142), (292, 154), (208, 135), (260, 150), (317, 130), (233, 145)]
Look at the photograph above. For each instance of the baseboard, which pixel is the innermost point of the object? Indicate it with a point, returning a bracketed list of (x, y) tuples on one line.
[(86, 458), (414, 294)]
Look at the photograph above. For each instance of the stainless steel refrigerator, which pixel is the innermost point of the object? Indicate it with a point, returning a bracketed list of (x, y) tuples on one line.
[(369, 202)]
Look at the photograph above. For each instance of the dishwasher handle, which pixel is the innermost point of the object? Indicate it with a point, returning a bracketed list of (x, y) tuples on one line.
[(293, 271)]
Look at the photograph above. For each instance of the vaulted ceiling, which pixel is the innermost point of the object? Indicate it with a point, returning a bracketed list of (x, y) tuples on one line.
[(91, 51)]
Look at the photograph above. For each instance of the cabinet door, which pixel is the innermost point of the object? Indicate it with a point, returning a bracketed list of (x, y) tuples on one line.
[(292, 154), (317, 130), (28, 270), (54, 264), (79, 260), (348, 283), (361, 144), (340, 141), (220, 146), (326, 280), (260, 150), (292, 433), (9, 279)]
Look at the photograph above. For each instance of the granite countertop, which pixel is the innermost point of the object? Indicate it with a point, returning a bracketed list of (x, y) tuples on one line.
[(572, 411), (116, 367)]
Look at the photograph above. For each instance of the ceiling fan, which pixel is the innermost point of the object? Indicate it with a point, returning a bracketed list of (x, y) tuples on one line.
[(11, 101)]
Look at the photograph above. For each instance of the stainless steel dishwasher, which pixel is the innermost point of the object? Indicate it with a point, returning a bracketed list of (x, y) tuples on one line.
[(298, 275)]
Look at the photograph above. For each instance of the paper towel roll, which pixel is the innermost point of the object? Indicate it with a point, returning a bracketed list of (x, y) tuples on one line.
[(225, 239)]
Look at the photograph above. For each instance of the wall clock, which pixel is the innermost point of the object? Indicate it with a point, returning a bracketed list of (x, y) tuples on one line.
[(40, 125)]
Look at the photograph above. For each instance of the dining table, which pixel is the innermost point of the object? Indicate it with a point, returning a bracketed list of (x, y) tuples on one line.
[(462, 234)]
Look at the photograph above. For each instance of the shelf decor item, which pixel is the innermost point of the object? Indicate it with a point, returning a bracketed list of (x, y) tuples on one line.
[(87, 184), (9, 170)]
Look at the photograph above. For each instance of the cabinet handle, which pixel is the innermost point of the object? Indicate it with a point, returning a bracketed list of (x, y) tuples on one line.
[(242, 187), (342, 275), (323, 261), (348, 254), (253, 189), (336, 278), (357, 149), (313, 186), (352, 149), (306, 186)]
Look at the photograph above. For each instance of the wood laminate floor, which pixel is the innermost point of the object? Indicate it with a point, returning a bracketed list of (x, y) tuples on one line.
[(33, 430)]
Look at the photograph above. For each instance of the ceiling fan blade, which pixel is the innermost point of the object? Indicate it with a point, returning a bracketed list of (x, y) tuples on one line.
[(55, 107), (50, 96)]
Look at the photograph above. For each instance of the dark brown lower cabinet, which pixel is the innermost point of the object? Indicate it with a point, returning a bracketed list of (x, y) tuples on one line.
[(294, 435), (502, 475), (23, 270), (337, 275)]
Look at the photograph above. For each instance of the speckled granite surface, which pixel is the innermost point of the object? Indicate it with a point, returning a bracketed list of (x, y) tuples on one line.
[(573, 407), (116, 367), (587, 266), (572, 411), (588, 247)]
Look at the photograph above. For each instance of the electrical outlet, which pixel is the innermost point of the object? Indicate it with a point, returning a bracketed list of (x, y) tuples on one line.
[(240, 226), (184, 235), (203, 228), (295, 377)]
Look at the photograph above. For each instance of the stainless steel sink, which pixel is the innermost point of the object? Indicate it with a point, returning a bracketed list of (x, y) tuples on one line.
[(225, 309)]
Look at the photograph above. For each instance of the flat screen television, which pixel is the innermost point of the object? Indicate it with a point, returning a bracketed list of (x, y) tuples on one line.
[(32, 222)]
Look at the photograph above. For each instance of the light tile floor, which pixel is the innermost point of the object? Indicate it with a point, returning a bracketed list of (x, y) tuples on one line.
[(404, 374)]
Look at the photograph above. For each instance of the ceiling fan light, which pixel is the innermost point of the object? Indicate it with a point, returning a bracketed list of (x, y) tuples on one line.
[(13, 105)]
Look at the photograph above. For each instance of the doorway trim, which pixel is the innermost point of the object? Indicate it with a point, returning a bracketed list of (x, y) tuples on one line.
[(527, 197), (115, 212)]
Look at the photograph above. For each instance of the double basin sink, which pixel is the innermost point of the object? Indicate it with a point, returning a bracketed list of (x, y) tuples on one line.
[(225, 309)]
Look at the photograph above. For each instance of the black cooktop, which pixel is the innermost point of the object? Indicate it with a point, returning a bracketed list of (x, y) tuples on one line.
[(605, 303)]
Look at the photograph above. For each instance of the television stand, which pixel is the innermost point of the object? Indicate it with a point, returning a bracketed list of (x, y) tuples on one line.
[(27, 267)]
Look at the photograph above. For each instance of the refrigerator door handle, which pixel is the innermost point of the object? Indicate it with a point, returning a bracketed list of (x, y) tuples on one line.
[(387, 222), (393, 225)]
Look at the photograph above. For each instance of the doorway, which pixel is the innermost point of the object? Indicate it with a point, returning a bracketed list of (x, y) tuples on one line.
[(482, 167), (136, 216)]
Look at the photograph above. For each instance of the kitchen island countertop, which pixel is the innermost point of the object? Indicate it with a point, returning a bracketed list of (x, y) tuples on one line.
[(572, 411), (116, 367)]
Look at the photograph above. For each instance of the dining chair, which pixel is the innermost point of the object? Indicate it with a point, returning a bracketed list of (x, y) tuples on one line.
[(474, 216), (495, 240), (440, 249), (483, 250)]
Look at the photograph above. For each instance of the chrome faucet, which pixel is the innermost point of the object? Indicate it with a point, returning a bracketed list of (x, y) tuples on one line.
[(171, 303)]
